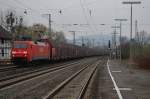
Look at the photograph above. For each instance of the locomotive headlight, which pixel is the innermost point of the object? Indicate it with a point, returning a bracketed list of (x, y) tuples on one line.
[(24, 52), (13, 52)]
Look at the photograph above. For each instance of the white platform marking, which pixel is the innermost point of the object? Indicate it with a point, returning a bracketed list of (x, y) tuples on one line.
[(116, 71), (115, 85), (124, 89)]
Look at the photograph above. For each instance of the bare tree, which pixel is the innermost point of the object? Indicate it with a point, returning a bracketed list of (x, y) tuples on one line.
[(59, 37), (1, 19), (144, 38)]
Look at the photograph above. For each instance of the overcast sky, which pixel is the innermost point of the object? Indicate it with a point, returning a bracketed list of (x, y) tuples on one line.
[(78, 12)]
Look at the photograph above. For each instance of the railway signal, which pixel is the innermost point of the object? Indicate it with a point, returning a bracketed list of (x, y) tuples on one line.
[(109, 44)]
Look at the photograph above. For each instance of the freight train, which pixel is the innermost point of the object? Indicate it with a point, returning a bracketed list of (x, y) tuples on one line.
[(30, 51)]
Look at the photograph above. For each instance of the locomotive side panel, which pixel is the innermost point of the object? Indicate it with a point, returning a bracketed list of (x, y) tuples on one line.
[(40, 51), (29, 51)]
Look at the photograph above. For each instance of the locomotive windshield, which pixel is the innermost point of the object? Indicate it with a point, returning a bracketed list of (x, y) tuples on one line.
[(18, 45)]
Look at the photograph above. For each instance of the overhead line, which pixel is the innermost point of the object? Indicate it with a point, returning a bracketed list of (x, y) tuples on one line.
[(92, 20), (84, 12), (22, 4), (2, 2)]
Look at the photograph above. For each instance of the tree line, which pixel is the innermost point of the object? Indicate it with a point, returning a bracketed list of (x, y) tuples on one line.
[(15, 24)]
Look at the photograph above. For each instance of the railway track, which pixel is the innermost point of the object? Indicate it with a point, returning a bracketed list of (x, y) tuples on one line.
[(2, 69), (11, 73), (15, 67), (38, 84), (75, 86), (10, 80)]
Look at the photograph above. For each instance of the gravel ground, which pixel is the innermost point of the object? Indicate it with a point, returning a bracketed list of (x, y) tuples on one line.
[(39, 86), (133, 81), (73, 88), (19, 70)]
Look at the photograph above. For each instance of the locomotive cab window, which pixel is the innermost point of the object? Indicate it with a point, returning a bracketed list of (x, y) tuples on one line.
[(20, 45)]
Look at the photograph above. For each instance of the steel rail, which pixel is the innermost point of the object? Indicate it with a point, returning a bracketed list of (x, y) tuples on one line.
[(17, 79), (59, 87), (7, 68), (83, 90)]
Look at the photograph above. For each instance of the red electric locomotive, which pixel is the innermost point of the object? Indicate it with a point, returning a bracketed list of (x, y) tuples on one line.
[(28, 51)]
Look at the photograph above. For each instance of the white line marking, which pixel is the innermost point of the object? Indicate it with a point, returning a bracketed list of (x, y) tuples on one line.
[(116, 71), (115, 85), (124, 89)]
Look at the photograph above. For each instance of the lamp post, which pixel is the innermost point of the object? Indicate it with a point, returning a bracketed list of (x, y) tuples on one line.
[(102, 33), (131, 3), (74, 39), (120, 33), (50, 21), (114, 40)]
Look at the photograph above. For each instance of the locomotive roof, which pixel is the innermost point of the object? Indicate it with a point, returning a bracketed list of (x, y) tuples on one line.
[(29, 42), (23, 41)]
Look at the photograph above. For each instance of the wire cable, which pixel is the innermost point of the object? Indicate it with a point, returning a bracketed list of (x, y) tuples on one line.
[(86, 18)]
